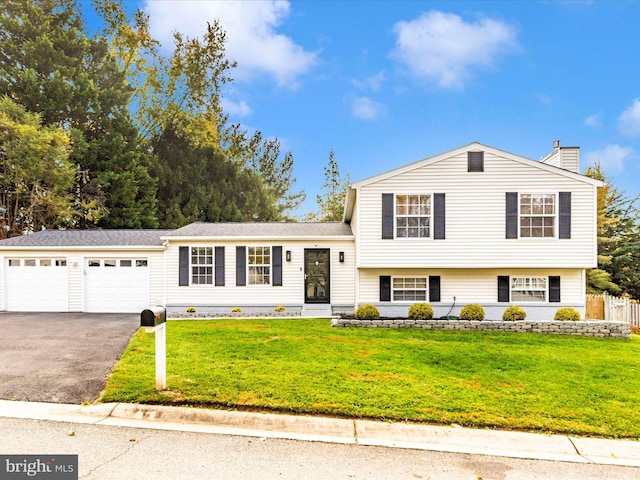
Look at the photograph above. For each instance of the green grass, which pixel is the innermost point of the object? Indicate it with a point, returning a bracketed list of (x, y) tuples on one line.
[(549, 383)]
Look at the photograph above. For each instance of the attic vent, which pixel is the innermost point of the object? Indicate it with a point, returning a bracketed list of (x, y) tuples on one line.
[(475, 161)]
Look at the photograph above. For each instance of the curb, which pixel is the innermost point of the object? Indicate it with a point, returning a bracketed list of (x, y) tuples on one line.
[(452, 439)]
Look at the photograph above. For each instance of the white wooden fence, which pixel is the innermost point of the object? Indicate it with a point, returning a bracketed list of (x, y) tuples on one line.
[(613, 309)]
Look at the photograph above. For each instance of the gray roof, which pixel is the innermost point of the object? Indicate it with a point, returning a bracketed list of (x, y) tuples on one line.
[(87, 238), (153, 238), (272, 229)]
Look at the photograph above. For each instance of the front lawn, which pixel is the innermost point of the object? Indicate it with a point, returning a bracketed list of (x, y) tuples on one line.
[(550, 383)]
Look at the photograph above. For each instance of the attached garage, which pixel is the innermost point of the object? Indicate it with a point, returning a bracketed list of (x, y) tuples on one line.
[(36, 284), (115, 271)]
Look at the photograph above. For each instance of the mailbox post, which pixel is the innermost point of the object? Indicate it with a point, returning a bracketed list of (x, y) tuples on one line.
[(154, 319)]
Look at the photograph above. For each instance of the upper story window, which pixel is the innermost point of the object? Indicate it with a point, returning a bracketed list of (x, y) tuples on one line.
[(259, 265), (537, 215), (413, 216), (201, 265)]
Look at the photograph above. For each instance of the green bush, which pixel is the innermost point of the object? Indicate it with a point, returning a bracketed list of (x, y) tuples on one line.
[(279, 308), (420, 311), (236, 310), (472, 311), (567, 314), (513, 313), (367, 312)]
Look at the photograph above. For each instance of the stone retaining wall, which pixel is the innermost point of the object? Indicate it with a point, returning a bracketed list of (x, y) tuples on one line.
[(589, 328)]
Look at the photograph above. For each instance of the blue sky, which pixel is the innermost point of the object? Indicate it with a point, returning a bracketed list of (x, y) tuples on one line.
[(386, 83)]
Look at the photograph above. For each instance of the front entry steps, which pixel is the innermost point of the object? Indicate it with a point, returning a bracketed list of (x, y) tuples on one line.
[(316, 310)]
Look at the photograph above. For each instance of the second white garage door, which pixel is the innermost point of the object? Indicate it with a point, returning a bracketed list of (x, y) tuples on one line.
[(116, 284)]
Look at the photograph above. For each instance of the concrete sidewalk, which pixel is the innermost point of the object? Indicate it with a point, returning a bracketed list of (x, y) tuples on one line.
[(336, 430)]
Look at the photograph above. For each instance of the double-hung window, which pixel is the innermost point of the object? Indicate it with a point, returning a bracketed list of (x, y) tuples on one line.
[(537, 215), (201, 265), (409, 289), (528, 289), (413, 216), (259, 265)]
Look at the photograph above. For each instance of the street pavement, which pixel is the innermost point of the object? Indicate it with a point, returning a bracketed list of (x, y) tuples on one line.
[(452, 439), (130, 453)]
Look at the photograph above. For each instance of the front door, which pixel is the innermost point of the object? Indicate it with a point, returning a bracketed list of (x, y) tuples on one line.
[(316, 275)]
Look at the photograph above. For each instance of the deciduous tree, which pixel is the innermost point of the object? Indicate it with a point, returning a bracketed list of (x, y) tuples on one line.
[(35, 174)]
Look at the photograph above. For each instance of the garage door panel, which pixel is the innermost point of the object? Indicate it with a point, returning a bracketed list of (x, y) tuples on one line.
[(37, 285), (116, 285)]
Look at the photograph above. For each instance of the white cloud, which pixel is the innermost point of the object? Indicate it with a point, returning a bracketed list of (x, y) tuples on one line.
[(611, 157), (544, 98), (366, 108), (444, 48), (252, 37), (593, 120), (629, 120), (238, 109), (373, 82)]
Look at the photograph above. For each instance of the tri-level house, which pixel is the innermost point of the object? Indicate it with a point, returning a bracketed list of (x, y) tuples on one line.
[(472, 225)]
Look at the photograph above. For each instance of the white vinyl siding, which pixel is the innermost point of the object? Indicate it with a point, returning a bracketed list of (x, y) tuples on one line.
[(471, 286), (459, 287), (290, 293), (475, 218)]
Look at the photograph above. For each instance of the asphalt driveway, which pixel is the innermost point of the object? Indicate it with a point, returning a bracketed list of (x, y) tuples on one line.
[(60, 357)]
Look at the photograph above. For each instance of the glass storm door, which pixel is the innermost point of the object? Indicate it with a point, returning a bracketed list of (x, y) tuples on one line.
[(316, 276)]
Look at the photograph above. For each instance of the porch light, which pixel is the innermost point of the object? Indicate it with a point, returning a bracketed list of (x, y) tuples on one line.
[(341, 257), (288, 255)]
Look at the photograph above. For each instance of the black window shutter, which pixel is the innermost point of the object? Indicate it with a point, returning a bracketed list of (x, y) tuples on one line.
[(503, 288), (564, 230), (276, 258), (183, 270), (554, 289), (387, 215), (219, 262), (512, 214), (434, 289), (475, 161), (385, 288), (241, 266), (438, 216)]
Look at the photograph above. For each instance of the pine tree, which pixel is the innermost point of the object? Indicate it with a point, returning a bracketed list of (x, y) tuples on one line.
[(331, 201)]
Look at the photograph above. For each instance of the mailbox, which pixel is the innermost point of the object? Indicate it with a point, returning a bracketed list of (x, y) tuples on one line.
[(153, 316)]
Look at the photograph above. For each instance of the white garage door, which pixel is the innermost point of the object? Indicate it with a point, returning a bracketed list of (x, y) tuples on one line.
[(116, 284), (37, 285)]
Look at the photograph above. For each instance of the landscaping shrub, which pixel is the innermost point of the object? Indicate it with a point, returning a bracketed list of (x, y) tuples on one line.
[(279, 308), (513, 313), (472, 311), (236, 310), (367, 312), (420, 311), (567, 314)]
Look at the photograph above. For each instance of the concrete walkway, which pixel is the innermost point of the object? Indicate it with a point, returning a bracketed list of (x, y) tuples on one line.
[(336, 430)]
